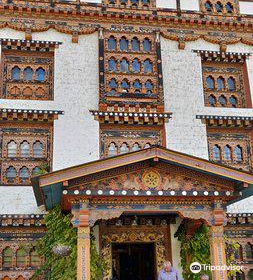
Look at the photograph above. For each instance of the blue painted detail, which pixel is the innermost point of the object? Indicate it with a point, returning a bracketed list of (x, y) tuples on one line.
[(53, 195)]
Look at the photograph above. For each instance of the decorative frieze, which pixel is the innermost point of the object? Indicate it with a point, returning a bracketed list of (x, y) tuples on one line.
[(8, 114), (28, 45), (226, 121)]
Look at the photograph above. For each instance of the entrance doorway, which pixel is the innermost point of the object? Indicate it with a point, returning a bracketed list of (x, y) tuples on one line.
[(134, 261)]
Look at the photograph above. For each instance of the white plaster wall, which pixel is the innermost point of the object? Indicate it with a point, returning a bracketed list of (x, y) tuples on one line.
[(183, 95), (190, 5), (18, 200), (175, 247), (76, 90), (246, 8), (168, 4), (243, 206)]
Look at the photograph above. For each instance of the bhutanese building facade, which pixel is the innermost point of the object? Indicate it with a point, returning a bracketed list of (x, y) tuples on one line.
[(142, 111)]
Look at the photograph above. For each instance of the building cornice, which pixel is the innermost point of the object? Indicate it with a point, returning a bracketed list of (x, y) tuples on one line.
[(216, 120), (36, 220), (33, 45), (7, 114)]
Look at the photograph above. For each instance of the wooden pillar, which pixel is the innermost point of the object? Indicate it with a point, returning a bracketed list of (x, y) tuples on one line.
[(217, 243), (81, 221), (83, 253)]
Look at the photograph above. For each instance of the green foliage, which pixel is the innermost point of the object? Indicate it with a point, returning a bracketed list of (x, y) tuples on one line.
[(231, 247), (250, 274), (44, 168), (61, 232), (194, 248)]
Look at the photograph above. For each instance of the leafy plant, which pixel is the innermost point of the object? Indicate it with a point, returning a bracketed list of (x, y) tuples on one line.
[(231, 247), (250, 274), (60, 232), (194, 248), (44, 168)]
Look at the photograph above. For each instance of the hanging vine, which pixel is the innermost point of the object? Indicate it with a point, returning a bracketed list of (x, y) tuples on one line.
[(63, 267), (194, 248)]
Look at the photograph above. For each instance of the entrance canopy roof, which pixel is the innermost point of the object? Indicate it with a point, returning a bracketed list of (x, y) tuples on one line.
[(153, 172)]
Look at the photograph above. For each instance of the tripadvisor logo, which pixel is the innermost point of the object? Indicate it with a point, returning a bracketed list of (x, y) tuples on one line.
[(195, 267)]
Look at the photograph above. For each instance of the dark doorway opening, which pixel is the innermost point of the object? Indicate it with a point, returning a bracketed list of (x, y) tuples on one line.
[(133, 261)]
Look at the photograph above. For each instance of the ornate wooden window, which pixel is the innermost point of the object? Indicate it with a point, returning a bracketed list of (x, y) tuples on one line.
[(27, 69), (35, 259), (118, 139), (7, 257), (21, 257), (130, 68), (230, 147), (249, 251), (220, 7), (25, 146), (225, 80)]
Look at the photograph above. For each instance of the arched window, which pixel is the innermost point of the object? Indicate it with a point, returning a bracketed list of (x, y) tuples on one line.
[(229, 8), (6, 278), (113, 85), (210, 83), (15, 73), (36, 171), (136, 66), (123, 44), (145, 2), (7, 257), (149, 87), (135, 43), (124, 148), (218, 7), (40, 92), (24, 149), (124, 65), (208, 6), (233, 101), (147, 66), (12, 149), (212, 100), (24, 174), (123, 2), (34, 258), (20, 278), (11, 174), (134, 2), (21, 257), (112, 150), (216, 153), (147, 145), (27, 91), (38, 149), (222, 101), (28, 74), (40, 75), (15, 91), (227, 153), (249, 250), (112, 2), (238, 153), (135, 147), (112, 64), (146, 45), (137, 86), (112, 43), (231, 84), (220, 83), (125, 85)]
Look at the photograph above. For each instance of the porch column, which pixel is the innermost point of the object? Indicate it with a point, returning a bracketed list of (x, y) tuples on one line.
[(83, 253), (81, 221), (217, 243)]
